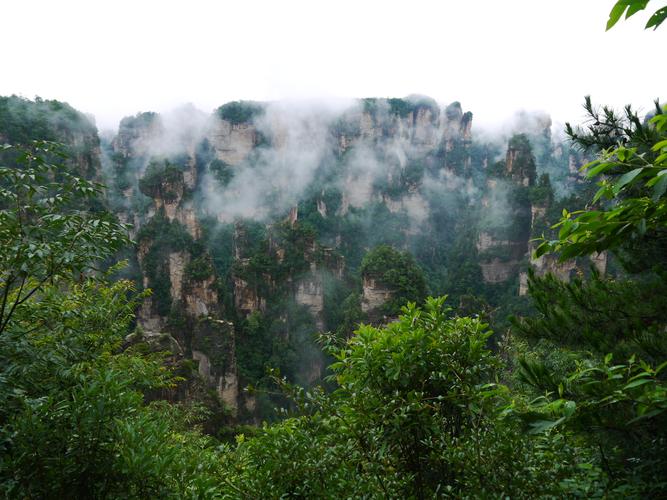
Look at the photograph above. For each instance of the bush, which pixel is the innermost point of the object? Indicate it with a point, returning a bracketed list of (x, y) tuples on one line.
[(237, 112), (399, 272)]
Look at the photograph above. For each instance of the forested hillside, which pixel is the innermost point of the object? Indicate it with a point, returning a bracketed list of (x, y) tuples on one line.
[(272, 219), (241, 304)]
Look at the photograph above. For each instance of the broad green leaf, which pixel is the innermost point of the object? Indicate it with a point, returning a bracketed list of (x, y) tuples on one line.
[(659, 188), (616, 13), (659, 145), (649, 414), (657, 18), (661, 367), (604, 190), (544, 425), (626, 179), (593, 172), (635, 7), (637, 383)]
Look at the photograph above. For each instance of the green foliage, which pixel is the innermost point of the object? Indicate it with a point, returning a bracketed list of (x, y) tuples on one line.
[(351, 315), (632, 184), (221, 171), (23, 120), (397, 271), (276, 341), (610, 391), (46, 229), (162, 179), (399, 107), (237, 112), (630, 8), (261, 264), (404, 107), (416, 414), (199, 268), (73, 418), (139, 121), (603, 314), (542, 194), (162, 237), (73, 421)]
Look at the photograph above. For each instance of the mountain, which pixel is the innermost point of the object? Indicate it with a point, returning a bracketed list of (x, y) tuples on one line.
[(263, 223)]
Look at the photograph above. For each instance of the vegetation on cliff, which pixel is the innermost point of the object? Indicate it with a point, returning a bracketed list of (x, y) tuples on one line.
[(568, 401), (416, 407), (238, 112), (398, 272)]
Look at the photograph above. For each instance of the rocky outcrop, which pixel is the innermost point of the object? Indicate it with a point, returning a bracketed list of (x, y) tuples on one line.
[(194, 319), (177, 263), (456, 123), (322, 208), (201, 297), (550, 264), (136, 134), (148, 319), (519, 161), (564, 271), (232, 142), (599, 261), (213, 347), (310, 293), (227, 385), (187, 216), (507, 213), (374, 295), (246, 298), (385, 153), (498, 271), (486, 242)]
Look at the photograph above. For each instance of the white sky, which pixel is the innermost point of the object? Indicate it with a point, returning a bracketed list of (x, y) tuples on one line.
[(115, 58)]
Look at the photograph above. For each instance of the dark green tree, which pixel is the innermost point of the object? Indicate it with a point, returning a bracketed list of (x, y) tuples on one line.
[(397, 271)]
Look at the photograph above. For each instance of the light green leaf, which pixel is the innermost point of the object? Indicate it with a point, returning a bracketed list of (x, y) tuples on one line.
[(594, 171), (616, 13), (659, 188), (637, 383), (626, 179)]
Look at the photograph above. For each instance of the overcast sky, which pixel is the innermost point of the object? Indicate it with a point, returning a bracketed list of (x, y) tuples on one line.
[(115, 58)]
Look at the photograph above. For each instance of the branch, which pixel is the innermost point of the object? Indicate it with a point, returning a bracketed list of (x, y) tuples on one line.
[(8, 284), (5, 322)]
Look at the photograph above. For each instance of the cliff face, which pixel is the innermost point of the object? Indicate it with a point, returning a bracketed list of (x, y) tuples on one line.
[(23, 120), (505, 228), (161, 177), (374, 295), (185, 304), (252, 223), (232, 142)]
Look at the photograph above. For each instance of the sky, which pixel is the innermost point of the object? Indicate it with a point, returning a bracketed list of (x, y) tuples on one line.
[(116, 58)]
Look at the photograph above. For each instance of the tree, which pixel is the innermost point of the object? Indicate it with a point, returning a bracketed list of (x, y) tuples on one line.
[(73, 418), (47, 230), (596, 348), (399, 272), (631, 197), (416, 414)]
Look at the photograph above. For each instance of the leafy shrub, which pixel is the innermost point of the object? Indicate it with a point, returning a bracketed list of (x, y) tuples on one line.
[(237, 112), (397, 271)]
